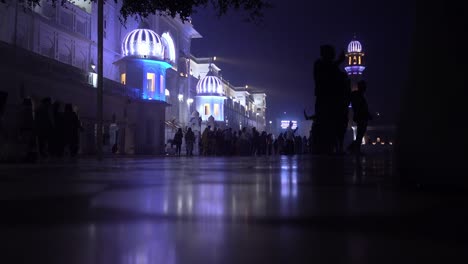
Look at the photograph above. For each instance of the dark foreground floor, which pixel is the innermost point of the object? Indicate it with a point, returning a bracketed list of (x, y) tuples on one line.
[(225, 210)]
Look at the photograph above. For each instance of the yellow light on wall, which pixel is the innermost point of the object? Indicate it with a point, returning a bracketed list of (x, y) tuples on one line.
[(216, 109), (151, 81), (123, 78)]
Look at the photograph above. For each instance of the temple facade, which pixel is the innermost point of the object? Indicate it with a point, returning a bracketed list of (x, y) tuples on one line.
[(150, 76)]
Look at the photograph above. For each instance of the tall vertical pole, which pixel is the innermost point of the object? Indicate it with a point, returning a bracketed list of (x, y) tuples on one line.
[(100, 77), (15, 33)]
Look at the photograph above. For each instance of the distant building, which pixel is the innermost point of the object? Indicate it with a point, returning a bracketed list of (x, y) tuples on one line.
[(378, 133), (355, 62)]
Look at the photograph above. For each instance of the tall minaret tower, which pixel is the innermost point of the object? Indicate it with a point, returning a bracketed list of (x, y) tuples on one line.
[(355, 63)]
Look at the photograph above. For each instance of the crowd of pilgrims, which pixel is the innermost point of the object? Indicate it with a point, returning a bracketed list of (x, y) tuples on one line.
[(333, 96), (245, 142), (52, 127)]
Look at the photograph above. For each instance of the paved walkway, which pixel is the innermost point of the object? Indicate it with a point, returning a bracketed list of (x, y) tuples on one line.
[(225, 210)]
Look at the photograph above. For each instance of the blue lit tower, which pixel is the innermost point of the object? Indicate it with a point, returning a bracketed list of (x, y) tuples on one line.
[(143, 65), (355, 63), (210, 97), (143, 70)]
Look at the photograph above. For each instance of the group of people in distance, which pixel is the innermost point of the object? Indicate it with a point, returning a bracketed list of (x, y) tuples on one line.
[(333, 96), (330, 122)]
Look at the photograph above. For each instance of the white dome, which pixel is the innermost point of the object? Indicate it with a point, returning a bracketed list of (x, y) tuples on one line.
[(354, 46), (210, 84), (144, 43)]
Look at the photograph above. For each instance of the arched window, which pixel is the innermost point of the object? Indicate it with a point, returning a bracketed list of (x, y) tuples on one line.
[(169, 47)]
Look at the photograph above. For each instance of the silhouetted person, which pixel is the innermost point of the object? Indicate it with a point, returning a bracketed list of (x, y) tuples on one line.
[(71, 128), (255, 142), (227, 141), (57, 141), (205, 140), (313, 135), (344, 98), (290, 139), (262, 144), (27, 137), (361, 115), (269, 144), (328, 89), (44, 126), (189, 141), (178, 141), (281, 143)]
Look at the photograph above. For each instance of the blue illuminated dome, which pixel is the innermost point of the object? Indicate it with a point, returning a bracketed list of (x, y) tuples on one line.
[(354, 46), (210, 85), (144, 43)]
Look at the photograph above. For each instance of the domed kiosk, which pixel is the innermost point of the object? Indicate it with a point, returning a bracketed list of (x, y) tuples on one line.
[(143, 66), (142, 69), (355, 63), (210, 97), (354, 46)]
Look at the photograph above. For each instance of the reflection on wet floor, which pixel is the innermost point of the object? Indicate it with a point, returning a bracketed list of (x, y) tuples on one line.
[(213, 210)]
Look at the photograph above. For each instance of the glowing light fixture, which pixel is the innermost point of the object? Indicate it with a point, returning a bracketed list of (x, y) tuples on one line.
[(180, 97), (142, 42), (189, 101), (169, 45), (167, 93), (210, 85), (285, 124), (354, 46)]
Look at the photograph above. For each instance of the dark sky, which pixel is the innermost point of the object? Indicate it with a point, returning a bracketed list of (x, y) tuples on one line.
[(278, 54)]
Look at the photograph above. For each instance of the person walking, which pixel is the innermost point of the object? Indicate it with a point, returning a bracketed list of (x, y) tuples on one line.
[(361, 115), (189, 141), (71, 129), (178, 141)]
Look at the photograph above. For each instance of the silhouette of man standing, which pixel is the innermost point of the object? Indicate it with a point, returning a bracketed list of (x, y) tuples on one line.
[(329, 80), (361, 115)]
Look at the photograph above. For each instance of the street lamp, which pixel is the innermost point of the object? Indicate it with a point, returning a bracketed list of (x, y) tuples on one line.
[(181, 97)]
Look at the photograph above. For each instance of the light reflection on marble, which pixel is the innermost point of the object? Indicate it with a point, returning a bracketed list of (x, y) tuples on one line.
[(219, 210)]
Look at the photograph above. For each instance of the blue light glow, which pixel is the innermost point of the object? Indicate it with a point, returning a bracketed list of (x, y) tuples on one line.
[(354, 69), (153, 88), (162, 64)]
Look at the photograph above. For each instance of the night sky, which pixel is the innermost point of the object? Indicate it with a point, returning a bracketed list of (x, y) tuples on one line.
[(277, 55)]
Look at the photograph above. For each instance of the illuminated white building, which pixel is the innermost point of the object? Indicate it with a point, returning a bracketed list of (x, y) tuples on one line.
[(231, 106), (150, 78), (54, 54)]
